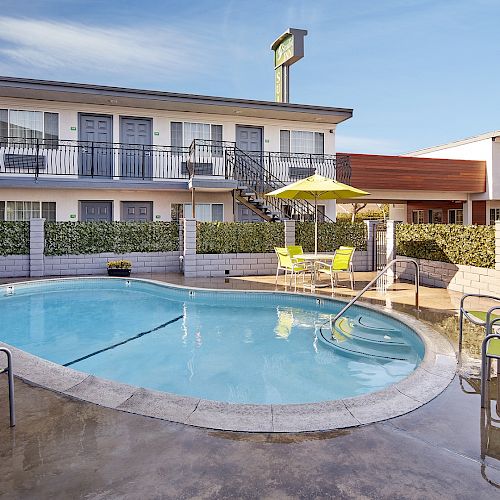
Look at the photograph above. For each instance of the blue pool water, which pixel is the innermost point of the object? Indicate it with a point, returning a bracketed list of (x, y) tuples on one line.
[(241, 347)]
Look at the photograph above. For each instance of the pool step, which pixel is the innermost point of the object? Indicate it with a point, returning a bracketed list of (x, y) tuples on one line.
[(352, 337)]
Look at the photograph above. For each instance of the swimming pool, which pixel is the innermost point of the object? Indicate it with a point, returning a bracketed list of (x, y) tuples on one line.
[(237, 347)]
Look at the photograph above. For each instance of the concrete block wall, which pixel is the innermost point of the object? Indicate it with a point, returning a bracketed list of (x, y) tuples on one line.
[(14, 266), (95, 264), (456, 277)]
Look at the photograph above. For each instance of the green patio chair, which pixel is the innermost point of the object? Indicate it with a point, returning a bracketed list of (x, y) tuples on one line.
[(342, 263), (290, 265)]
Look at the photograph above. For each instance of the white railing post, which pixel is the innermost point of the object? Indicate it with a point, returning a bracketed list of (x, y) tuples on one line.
[(391, 250)]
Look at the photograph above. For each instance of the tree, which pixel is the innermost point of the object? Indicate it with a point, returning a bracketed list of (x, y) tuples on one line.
[(357, 207)]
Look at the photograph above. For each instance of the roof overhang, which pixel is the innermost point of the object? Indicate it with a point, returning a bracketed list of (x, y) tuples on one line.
[(152, 99)]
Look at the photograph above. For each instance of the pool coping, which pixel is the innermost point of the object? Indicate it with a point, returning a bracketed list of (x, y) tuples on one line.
[(427, 381)]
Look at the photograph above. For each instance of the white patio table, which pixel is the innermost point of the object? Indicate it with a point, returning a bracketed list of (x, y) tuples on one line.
[(313, 258)]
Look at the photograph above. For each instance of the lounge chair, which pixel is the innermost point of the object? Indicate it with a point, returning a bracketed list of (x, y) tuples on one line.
[(291, 265), (342, 263)]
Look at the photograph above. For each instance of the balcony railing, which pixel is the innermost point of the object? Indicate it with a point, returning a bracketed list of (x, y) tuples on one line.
[(94, 159)]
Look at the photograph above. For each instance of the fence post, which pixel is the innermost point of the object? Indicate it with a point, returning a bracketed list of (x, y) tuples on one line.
[(289, 232), (391, 249), (189, 248), (497, 245), (37, 244), (371, 226)]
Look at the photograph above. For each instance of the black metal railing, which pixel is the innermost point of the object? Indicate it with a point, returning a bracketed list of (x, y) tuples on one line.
[(53, 157), (41, 157)]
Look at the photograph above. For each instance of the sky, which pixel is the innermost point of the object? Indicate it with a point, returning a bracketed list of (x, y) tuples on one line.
[(416, 72)]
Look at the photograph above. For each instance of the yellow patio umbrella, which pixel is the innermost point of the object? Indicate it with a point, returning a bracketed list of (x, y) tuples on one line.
[(316, 187)]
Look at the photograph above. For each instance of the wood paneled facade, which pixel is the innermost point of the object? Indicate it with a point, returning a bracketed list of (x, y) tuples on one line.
[(407, 173)]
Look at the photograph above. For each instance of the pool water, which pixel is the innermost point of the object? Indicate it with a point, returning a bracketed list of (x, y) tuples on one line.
[(240, 347)]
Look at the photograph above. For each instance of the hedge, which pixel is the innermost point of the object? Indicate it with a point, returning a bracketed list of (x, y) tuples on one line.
[(331, 235), (467, 245), (239, 237), (14, 238), (63, 238)]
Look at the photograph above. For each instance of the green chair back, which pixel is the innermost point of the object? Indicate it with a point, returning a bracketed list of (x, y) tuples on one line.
[(284, 258), (294, 250), (342, 260)]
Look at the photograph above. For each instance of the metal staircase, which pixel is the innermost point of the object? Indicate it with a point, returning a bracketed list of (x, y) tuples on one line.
[(259, 172)]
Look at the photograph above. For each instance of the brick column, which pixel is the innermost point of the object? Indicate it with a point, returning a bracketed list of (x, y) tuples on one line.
[(189, 248), (289, 232), (37, 244), (391, 249), (497, 245), (370, 243)]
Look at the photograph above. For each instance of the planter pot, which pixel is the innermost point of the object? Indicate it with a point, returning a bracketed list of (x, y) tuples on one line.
[(118, 272)]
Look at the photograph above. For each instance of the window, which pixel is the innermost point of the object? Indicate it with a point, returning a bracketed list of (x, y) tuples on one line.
[(436, 216), (455, 216), (494, 215), (296, 141), (205, 212), (183, 134), (27, 126), (26, 210), (418, 216)]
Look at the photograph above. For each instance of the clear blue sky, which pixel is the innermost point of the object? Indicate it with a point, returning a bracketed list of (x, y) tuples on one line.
[(416, 72)]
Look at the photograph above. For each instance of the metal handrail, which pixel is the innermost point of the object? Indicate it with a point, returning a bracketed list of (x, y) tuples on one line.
[(10, 375), (381, 273), (486, 359), (463, 312)]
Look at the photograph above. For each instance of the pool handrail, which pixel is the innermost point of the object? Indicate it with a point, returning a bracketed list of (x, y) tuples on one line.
[(10, 376), (463, 312), (381, 273)]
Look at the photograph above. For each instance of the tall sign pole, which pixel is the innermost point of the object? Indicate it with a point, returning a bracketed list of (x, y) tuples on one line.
[(288, 48)]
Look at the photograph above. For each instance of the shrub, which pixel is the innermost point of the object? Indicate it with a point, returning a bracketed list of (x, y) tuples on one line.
[(14, 238), (466, 245), (239, 237), (119, 264), (331, 235), (119, 237)]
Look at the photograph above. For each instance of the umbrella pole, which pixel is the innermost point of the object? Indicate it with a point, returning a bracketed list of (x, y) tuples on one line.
[(315, 224)]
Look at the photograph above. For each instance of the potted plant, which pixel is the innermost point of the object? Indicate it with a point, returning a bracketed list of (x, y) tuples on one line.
[(119, 267)]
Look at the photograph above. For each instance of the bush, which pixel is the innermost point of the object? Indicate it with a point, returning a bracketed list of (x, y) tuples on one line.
[(331, 235), (239, 237), (14, 238), (466, 245), (119, 237)]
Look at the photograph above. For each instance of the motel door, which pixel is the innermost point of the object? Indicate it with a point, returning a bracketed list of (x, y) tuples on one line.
[(136, 137), (96, 211), (250, 139), (96, 146)]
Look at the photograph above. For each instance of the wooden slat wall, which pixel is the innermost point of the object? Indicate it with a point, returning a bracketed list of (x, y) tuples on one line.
[(405, 173)]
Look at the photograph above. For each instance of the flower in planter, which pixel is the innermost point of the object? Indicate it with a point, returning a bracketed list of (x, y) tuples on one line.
[(119, 264)]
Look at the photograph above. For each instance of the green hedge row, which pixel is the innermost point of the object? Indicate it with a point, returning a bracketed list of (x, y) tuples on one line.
[(239, 237), (467, 245), (331, 235), (120, 237), (14, 238)]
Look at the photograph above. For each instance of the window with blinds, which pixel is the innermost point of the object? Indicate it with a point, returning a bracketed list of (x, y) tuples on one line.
[(28, 126), (182, 135), (297, 141)]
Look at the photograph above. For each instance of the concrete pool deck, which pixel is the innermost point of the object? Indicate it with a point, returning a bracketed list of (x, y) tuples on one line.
[(63, 447)]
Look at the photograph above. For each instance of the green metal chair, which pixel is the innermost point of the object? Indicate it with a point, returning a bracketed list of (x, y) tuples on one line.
[(290, 265), (342, 263)]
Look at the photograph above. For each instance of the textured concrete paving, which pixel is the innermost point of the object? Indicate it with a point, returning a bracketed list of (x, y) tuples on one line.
[(63, 448)]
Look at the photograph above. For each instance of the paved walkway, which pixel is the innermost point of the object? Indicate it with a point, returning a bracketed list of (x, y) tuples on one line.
[(62, 448)]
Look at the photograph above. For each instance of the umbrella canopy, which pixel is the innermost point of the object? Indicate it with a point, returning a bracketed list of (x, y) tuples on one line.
[(316, 187)]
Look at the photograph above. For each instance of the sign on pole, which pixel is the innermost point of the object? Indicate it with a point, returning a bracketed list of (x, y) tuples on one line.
[(288, 49)]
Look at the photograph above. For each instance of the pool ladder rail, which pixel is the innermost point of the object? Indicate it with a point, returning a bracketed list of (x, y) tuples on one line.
[(10, 376), (490, 322), (339, 323)]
